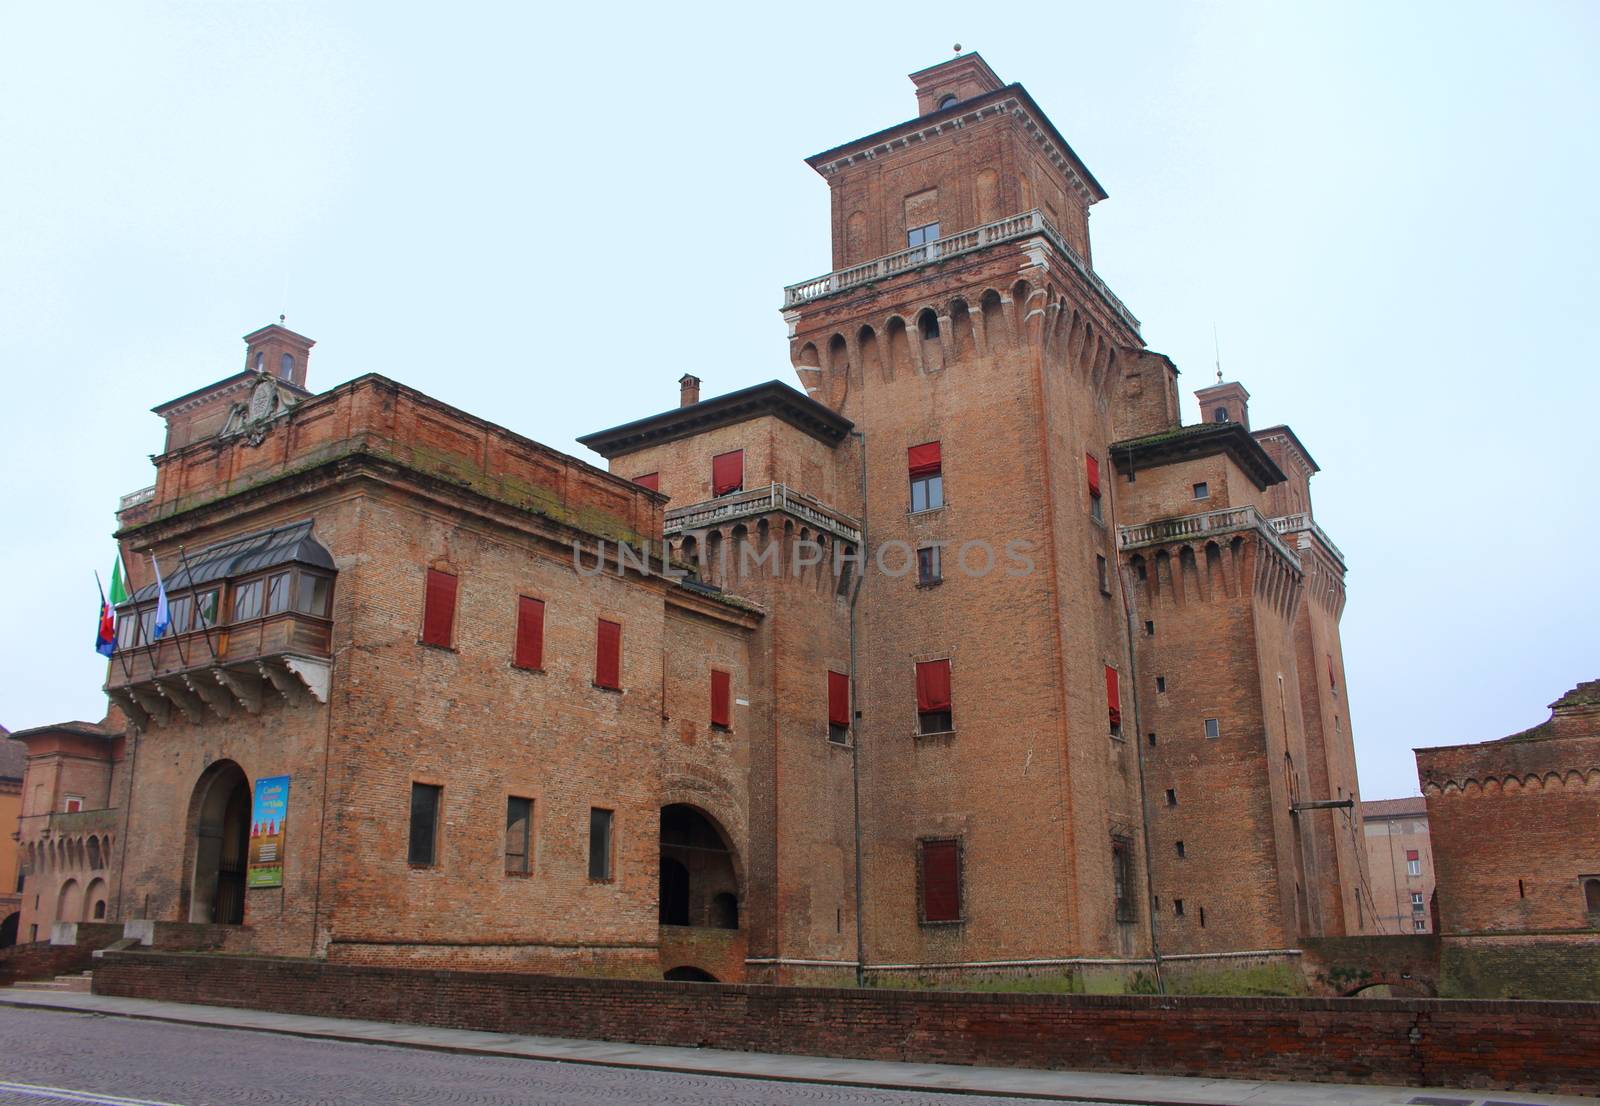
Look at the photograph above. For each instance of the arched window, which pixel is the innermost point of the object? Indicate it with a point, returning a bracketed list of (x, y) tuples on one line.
[(100, 910), (1221, 414), (946, 100), (261, 362), (1591, 895), (286, 366), (94, 852)]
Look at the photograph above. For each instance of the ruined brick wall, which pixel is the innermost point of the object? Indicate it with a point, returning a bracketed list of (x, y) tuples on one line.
[(1541, 1047)]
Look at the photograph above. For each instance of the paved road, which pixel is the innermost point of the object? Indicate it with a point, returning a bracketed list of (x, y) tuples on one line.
[(118, 1062)]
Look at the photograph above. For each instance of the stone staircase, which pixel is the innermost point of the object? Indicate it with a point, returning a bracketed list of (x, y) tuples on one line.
[(68, 984)]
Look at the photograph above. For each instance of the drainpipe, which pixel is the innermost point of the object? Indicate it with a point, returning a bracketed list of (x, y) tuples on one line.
[(1138, 730), (855, 725)]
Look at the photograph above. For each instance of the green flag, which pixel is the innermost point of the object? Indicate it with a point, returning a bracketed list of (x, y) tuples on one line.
[(119, 589)]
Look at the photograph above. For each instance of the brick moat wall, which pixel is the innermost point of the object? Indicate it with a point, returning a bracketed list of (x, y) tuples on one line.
[(1547, 1046)]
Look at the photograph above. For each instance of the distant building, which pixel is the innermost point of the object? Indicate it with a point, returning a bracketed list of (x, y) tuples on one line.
[(1515, 825), (13, 766), (1400, 864)]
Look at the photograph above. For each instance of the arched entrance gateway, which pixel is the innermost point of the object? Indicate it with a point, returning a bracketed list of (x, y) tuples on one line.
[(699, 886), (219, 838)]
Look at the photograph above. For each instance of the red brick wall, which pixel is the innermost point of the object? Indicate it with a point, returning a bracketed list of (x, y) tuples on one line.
[(1543, 1047)]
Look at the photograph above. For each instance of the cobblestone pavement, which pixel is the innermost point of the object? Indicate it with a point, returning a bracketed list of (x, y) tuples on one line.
[(118, 1062)]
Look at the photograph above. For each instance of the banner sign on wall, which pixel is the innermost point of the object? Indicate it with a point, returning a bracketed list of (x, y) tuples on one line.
[(267, 816)]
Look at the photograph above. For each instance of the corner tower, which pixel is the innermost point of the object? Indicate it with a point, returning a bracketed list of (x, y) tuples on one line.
[(965, 334)]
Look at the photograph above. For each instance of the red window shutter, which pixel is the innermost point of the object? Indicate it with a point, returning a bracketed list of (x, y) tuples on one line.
[(1113, 696), (651, 480), (1411, 854), (1091, 465), (439, 608), (530, 632), (933, 686), (941, 881), (838, 699), (924, 459), (727, 472), (721, 705), (608, 655)]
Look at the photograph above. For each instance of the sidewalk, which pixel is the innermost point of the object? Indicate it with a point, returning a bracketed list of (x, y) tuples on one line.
[(1049, 1085)]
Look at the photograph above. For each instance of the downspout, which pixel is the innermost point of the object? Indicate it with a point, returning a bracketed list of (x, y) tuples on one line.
[(127, 818), (855, 726), (1138, 729)]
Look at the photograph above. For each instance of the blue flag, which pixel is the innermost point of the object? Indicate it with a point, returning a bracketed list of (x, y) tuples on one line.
[(163, 616)]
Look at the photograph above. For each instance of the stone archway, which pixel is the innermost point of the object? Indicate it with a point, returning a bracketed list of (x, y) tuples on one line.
[(69, 902), (699, 877), (219, 836)]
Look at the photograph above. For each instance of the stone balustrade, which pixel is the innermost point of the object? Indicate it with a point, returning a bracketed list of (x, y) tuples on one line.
[(759, 501), (1027, 224), (1205, 524)]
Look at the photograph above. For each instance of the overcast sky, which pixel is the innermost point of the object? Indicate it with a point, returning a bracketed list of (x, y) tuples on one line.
[(545, 214)]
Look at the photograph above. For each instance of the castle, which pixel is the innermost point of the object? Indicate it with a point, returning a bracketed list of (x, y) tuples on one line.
[(965, 657)]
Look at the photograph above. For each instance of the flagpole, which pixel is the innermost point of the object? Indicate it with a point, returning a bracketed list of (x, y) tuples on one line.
[(205, 623), (115, 651), (162, 597)]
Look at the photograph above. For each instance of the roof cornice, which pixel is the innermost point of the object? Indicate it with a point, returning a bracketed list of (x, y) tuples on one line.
[(1204, 439), (773, 398), (1011, 100)]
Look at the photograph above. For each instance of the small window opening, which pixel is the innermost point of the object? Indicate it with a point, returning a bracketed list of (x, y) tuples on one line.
[(1149, 628), (1522, 892), (1221, 414), (1591, 896), (423, 843), (1177, 907), (946, 100), (929, 324), (1202, 490), (1179, 847), (1213, 727), (600, 823), (922, 236), (1202, 917), (1100, 570), (1151, 738), (928, 567), (1161, 685), (1172, 796)]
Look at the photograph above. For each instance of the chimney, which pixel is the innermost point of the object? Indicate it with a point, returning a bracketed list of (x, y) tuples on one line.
[(688, 390)]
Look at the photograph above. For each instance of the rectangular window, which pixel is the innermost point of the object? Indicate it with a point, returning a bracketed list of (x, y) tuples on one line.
[(439, 608), (1091, 468), (277, 593), (1122, 877), (1114, 701), (73, 804), (651, 480), (1416, 902), (519, 832), (1213, 727), (600, 824), (1413, 863), (939, 863), (1419, 926), (1161, 685), (928, 570), (311, 594), (727, 472), (424, 824), (921, 236), (721, 699), (247, 601), (1202, 490), (838, 707), (934, 712), (1177, 907), (1178, 847), (1149, 628), (1172, 796), (530, 633), (608, 655), (925, 464), (206, 609), (1100, 571), (181, 612)]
